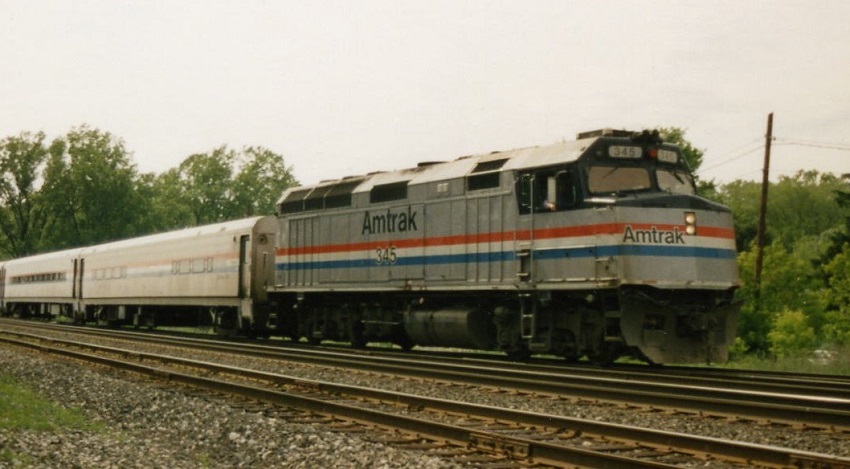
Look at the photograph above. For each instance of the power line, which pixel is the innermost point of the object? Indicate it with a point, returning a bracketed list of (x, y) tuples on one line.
[(738, 156), (783, 142), (803, 143)]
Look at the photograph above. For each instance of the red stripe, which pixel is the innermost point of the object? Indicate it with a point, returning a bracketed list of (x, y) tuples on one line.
[(496, 237)]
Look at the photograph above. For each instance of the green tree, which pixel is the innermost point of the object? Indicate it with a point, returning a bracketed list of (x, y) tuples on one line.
[(836, 328), (261, 180), (166, 209), (206, 182), (840, 235), (789, 282), (91, 189), (22, 215), (791, 335), (224, 184), (803, 205), (742, 197), (800, 206)]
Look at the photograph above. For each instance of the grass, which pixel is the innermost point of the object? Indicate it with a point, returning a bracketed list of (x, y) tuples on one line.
[(837, 364), (23, 409)]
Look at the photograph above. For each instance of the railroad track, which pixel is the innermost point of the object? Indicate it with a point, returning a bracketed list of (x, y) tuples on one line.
[(511, 435), (798, 405), (522, 437)]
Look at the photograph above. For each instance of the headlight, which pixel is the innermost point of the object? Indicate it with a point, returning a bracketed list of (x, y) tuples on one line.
[(691, 223)]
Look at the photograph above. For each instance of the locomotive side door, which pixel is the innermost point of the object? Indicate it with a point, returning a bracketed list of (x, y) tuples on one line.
[(524, 234), (546, 197)]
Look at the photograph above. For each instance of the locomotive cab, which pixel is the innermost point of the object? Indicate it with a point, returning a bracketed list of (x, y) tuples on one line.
[(621, 247)]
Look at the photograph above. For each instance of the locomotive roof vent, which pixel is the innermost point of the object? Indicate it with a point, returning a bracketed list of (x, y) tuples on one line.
[(604, 133), (648, 137)]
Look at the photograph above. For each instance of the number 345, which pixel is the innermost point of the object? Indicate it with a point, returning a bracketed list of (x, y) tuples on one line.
[(385, 255)]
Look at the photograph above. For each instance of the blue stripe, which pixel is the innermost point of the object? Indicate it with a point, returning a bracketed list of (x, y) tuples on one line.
[(504, 256)]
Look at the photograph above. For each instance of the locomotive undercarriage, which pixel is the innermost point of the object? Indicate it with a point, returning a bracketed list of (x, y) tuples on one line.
[(654, 325)]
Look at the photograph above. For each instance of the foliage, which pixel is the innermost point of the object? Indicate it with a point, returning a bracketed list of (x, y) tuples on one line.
[(742, 197), (23, 216), (799, 206), (791, 335), (837, 320), (166, 210), (224, 184), (788, 282), (90, 184), (803, 205), (205, 178), (83, 188), (261, 180)]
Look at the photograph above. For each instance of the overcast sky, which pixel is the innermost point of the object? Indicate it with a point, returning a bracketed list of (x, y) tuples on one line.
[(348, 87)]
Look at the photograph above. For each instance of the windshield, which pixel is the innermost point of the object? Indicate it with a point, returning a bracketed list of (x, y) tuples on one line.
[(613, 179), (675, 181)]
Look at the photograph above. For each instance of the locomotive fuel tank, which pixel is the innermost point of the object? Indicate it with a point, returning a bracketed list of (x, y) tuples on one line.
[(462, 328)]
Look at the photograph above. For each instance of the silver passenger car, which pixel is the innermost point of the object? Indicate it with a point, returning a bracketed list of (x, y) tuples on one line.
[(221, 270)]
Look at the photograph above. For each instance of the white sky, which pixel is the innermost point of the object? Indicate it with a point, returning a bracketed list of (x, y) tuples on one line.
[(348, 87)]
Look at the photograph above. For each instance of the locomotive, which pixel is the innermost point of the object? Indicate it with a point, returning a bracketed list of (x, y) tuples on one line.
[(598, 248)]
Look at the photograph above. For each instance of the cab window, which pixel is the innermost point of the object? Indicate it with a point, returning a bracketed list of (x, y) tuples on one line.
[(675, 181), (547, 191), (614, 179)]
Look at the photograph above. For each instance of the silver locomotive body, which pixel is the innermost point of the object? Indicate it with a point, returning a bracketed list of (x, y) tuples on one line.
[(597, 247)]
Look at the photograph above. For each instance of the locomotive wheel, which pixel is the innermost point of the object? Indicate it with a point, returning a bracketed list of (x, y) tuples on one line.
[(518, 353), (353, 320), (406, 344), (566, 345), (356, 334), (607, 355)]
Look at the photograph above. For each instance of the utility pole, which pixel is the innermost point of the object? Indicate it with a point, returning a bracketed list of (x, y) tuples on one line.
[(768, 138)]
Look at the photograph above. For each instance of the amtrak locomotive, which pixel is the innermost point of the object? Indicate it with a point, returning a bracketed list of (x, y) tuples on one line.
[(597, 247)]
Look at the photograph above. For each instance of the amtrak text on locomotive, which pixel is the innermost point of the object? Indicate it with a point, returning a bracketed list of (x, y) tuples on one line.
[(653, 236), (389, 222)]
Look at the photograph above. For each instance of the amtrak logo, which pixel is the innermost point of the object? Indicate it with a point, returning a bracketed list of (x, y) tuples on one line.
[(653, 236), (389, 222)]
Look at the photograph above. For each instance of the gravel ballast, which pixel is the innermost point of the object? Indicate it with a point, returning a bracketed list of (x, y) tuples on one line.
[(195, 433), (151, 427)]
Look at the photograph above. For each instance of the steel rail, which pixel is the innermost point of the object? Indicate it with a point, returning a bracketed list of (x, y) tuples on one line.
[(748, 380), (539, 452), (795, 410), (728, 450)]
